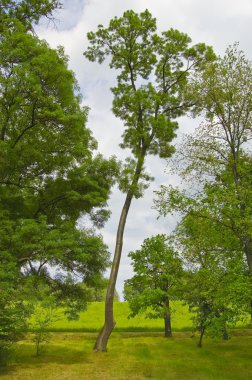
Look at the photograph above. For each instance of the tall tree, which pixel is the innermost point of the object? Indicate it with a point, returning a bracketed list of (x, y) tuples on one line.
[(158, 275), (219, 153), (217, 159), (148, 97), (49, 174)]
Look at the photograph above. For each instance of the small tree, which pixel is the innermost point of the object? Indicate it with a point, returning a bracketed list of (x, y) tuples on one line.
[(217, 284), (44, 314), (148, 97), (158, 273), (217, 299)]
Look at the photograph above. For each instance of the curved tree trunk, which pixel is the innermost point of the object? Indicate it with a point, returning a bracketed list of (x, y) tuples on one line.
[(102, 340), (101, 343)]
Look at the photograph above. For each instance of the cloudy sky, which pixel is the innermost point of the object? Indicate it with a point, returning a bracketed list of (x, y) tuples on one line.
[(217, 22)]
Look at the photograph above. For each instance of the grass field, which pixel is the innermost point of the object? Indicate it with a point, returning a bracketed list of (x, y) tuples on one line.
[(133, 356), (92, 320), (140, 353)]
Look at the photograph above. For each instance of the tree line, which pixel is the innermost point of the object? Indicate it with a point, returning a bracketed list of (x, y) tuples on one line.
[(51, 175)]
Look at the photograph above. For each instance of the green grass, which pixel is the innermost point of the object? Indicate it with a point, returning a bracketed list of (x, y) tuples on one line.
[(92, 320), (140, 353), (134, 356)]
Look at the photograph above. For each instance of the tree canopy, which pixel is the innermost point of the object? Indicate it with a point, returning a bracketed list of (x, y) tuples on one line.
[(158, 273), (215, 229), (50, 172), (150, 94)]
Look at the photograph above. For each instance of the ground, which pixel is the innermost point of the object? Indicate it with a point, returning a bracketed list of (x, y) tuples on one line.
[(134, 356)]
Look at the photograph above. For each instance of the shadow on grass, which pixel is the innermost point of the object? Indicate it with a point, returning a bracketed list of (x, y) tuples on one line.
[(7, 370), (144, 353), (64, 349)]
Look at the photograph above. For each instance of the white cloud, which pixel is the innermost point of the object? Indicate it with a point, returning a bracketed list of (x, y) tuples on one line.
[(216, 22)]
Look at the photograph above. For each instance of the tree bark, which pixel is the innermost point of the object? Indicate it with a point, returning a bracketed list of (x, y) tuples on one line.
[(102, 340), (202, 330), (248, 252), (167, 319), (251, 312), (101, 343)]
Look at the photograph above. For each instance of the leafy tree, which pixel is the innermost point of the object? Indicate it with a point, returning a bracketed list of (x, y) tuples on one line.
[(218, 157), (158, 274), (49, 175), (13, 311), (45, 311), (26, 12), (216, 297), (225, 139), (149, 96), (217, 287)]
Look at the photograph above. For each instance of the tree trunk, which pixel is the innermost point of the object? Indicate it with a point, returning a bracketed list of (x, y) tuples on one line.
[(251, 312), (202, 330), (225, 335), (102, 340), (167, 319), (101, 343), (248, 252)]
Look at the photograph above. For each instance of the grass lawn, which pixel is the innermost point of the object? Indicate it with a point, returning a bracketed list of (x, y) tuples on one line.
[(136, 350), (133, 356), (92, 320)]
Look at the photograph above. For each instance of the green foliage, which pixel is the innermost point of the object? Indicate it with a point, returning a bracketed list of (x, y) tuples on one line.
[(13, 310), (26, 12), (150, 92), (44, 314), (158, 274), (218, 297), (149, 95), (49, 175), (215, 231), (41, 321)]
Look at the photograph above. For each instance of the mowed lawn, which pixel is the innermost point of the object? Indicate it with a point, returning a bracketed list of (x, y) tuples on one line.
[(92, 319), (137, 350), (133, 356)]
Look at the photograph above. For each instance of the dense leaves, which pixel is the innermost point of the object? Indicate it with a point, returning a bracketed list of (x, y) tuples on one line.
[(215, 230), (49, 175), (157, 279), (153, 72), (26, 12)]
